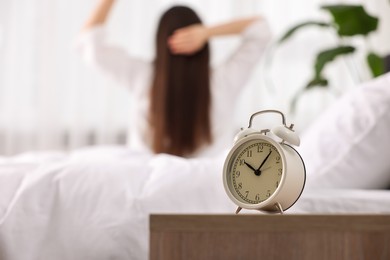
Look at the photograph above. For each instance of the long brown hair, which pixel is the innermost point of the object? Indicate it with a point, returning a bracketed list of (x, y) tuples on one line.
[(180, 93)]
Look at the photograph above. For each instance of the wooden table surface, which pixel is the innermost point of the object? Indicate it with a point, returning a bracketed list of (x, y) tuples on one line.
[(261, 236)]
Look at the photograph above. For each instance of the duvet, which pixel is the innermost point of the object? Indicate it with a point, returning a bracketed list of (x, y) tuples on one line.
[(95, 203)]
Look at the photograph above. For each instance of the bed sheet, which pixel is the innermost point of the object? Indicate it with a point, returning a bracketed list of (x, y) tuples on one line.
[(95, 203), (343, 201)]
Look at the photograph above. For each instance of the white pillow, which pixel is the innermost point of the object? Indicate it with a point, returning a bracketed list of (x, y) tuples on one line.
[(348, 146)]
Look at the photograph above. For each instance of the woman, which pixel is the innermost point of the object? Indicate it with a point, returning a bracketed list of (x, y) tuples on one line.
[(182, 107)]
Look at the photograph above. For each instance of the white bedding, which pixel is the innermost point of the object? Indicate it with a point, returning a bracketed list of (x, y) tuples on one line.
[(95, 203)]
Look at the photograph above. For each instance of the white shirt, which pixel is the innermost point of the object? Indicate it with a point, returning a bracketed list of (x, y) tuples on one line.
[(227, 80)]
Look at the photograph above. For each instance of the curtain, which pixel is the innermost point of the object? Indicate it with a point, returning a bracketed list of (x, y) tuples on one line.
[(50, 100)]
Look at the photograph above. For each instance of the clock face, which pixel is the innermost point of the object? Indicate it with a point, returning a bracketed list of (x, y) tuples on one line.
[(254, 171)]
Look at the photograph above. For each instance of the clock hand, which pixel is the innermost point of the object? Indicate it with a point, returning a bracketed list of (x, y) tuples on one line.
[(250, 166), (266, 169), (264, 161)]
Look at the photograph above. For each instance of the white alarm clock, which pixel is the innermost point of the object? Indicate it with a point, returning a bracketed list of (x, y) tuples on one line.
[(263, 171)]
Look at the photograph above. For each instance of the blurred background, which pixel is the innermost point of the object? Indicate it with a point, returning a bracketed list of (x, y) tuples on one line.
[(50, 100)]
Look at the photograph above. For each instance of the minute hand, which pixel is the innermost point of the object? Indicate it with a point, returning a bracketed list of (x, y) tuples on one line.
[(264, 161)]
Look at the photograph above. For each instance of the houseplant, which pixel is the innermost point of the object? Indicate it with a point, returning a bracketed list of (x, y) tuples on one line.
[(346, 21)]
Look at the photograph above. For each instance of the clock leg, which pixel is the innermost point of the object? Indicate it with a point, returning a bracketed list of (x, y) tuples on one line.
[(238, 210), (279, 207)]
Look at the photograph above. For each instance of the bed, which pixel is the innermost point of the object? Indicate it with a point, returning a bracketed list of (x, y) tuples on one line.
[(94, 203)]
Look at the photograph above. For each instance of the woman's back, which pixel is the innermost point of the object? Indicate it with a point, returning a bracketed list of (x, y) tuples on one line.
[(181, 106)]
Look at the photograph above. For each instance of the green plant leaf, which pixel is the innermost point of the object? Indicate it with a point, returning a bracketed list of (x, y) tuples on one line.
[(297, 27), (376, 64), (352, 19), (324, 57), (317, 81)]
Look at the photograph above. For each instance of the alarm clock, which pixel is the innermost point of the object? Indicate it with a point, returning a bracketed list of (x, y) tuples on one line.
[(263, 171)]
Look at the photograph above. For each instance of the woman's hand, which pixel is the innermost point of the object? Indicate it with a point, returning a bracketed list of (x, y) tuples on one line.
[(188, 40)]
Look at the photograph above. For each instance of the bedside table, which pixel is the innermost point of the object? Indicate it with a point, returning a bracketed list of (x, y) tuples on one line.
[(269, 237)]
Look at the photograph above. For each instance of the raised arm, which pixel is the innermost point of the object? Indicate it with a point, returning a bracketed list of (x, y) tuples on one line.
[(233, 27), (99, 15), (94, 48), (189, 40)]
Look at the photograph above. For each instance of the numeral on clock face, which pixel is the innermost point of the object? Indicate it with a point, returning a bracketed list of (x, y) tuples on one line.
[(256, 171)]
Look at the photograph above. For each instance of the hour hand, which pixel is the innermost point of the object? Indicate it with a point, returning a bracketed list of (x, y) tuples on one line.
[(250, 166)]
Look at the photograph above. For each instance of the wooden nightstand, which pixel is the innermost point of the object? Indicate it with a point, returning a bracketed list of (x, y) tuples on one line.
[(269, 237)]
